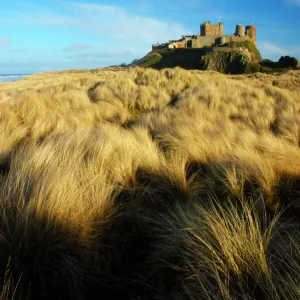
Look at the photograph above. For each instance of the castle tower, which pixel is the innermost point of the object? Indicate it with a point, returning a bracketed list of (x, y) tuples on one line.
[(240, 30), (251, 32), (208, 29), (221, 28), (204, 28)]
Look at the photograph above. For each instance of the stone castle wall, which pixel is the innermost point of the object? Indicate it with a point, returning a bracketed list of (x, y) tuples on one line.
[(202, 41), (177, 44), (208, 29), (211, 34), (234, 38), (251, 32)]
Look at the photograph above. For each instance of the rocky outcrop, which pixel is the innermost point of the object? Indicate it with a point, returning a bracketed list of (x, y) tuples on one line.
[(232, 62), (231, 59)]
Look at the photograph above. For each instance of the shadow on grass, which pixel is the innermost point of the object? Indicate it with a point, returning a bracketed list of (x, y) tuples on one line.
[(141, 253)]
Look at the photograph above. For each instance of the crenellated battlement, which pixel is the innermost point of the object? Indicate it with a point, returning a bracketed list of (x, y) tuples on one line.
[(211, 35), (208, 29)]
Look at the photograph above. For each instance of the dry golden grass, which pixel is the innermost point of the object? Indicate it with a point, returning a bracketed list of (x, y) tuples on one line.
[(143, 184)]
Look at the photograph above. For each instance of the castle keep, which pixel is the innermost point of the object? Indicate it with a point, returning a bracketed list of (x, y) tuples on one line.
[(210, 35)]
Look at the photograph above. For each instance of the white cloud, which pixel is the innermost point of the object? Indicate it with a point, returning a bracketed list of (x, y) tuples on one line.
[(48, 19), (293, 2), (107, 34), (270, 50), (95, 7), (4, 42), (273, 49), (111, 22), (19, 50), (77, 47), (118, 24), (100, 55)]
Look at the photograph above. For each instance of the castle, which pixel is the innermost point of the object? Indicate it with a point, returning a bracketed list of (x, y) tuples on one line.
[(211, 34)]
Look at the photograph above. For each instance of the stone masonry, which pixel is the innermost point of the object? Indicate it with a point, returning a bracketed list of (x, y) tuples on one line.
[(211, 35)]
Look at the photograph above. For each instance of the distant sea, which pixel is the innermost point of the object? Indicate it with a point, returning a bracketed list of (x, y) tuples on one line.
[(11, 77)]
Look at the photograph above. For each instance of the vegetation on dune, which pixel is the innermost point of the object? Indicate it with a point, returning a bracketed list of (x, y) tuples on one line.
[(226, 58), (195, 58), (230, 58), (284, 63), (251, 47), (143, 184), (150, 60)]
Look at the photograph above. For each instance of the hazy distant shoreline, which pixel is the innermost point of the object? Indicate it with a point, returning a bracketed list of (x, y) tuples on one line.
[(12, 77)]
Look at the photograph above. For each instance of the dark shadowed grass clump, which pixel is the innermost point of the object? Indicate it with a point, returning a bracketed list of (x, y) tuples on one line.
[(144, 184)]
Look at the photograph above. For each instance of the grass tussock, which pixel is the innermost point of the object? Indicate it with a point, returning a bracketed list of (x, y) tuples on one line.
[(143, 184)]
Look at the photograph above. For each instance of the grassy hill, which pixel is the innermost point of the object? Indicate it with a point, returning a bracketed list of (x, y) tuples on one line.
[(134, 183), (185, 58), (230, 58)]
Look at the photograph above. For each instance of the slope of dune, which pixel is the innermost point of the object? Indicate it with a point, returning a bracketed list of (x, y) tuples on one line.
[(132, 183)]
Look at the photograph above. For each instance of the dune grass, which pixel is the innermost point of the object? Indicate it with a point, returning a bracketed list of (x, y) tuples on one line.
[(143, 184)]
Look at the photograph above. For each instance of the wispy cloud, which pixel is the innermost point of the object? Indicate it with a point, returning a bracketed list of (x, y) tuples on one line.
[(93, 7), (50, 19), (273, 49), (100, 55), (293, 2), (111, 22), (79, 47), (106, 34), (116, 23), (19, 50), (4, 42), (270, 49)]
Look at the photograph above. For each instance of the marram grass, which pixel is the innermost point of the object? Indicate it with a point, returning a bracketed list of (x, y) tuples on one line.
[(142, 184)]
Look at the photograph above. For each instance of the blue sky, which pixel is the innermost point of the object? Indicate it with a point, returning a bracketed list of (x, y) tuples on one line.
[(37, 36)]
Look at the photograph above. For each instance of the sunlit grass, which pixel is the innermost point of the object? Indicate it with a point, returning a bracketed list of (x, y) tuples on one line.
[(143, 184)]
